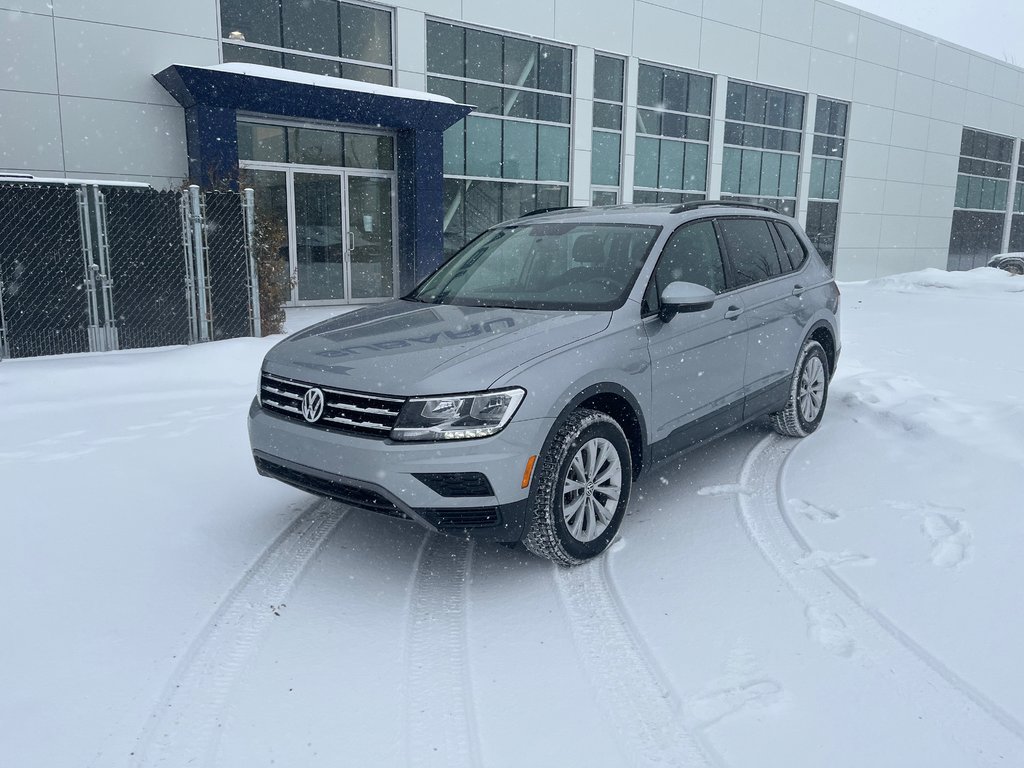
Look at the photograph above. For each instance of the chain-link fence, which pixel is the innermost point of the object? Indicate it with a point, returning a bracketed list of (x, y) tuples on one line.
[(98, 267), (231, 307), (149, 291), (44, 306)]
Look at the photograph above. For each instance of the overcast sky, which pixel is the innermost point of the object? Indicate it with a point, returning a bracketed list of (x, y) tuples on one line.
[(995, 27)]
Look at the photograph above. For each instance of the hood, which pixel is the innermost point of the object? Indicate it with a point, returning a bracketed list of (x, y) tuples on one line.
[(409, 348)]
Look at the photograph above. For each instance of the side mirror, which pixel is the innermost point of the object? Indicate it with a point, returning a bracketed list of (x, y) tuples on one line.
[(685, 297)]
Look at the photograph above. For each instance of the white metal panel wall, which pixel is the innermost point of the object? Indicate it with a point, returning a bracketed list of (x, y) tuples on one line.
[(83, 70)]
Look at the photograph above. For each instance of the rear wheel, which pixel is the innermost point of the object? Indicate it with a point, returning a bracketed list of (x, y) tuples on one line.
[(581, 489), (808, 393)]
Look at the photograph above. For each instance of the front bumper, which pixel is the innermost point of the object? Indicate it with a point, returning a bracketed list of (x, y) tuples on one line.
[(380, 474)]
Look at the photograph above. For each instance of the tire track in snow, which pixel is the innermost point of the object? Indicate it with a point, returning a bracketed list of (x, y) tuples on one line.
[(990, 734), (440, 713), (185, 726), (638, 700)]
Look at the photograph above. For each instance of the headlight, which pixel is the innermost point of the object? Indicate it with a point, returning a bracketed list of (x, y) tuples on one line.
[(456, 417)]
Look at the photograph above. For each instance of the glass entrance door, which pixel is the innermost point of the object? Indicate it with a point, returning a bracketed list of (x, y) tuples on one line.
[(370, 237), (344, 237), (318, 236)]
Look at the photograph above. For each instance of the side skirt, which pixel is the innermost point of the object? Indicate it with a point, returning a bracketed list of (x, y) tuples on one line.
[(723, 421)]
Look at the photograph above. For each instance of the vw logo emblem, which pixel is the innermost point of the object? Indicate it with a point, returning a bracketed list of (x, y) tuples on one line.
[(312, 405)]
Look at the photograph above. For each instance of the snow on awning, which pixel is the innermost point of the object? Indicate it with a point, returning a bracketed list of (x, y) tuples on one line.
[(325, 81), (286, 93)]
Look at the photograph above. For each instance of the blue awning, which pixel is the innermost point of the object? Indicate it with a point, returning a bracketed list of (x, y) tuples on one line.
[(213, 96)]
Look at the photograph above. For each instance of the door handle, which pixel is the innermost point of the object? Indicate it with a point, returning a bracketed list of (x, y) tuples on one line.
[(798, 289), (733, 312)]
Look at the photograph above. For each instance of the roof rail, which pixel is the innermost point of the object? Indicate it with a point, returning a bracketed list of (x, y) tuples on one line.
[(549, 209), (694, 204)]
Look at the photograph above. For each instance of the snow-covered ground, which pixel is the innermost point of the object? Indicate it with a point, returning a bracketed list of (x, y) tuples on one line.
[(852, 599)]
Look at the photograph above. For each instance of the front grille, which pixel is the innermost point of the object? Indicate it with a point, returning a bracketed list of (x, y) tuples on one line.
[(364, 498), (356, 413)]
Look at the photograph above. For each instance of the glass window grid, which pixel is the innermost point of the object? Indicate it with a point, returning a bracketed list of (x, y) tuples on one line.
[(664, 73), (1018, 197), (986, 146), (605, 188), (745, 132), (496, 200), (227, 44), (748, 174), (983, 181), (831, 117), (828, 150), (775, 100), (505, 39), (662, 141), (684, 118), (676, 193), (500, 140), (741, 141), (432, 87), (456, 137), (981, 193), (290, 143), (750, 128)]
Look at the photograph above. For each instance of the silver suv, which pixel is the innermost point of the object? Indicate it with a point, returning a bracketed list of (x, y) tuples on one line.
[(517, 393)]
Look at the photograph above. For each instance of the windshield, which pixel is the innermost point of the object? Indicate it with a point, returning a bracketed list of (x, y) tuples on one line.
[(544, 266)]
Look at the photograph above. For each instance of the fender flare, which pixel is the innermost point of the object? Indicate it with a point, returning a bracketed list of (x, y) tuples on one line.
[(641, 453)]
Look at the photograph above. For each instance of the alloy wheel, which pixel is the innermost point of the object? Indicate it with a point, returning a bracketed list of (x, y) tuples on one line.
[(811, 391), (591, 489)]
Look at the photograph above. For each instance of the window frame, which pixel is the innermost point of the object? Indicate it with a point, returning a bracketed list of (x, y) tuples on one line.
[(780, 246), (652, 307), (733, 272), (682, 194), (282, 51)]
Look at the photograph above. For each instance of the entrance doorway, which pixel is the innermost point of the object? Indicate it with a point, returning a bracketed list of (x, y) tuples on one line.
[(339, 221), (343, 233)]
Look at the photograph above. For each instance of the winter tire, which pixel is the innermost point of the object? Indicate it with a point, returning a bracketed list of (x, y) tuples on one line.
[(581, 489), (807, 394)]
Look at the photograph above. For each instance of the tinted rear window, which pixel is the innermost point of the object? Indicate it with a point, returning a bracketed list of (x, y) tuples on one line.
[(751, 249), (794, 248)]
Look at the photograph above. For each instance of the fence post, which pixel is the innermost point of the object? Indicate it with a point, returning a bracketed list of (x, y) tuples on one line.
[(97, 342), (249, 212), (109, 326), (199, 252), (185, 209), (3, 325)]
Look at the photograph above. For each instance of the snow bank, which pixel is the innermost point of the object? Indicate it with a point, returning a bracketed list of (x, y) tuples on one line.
[(987, 279)]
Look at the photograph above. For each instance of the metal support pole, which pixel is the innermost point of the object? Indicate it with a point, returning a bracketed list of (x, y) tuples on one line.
[(90, 268), (199, 251), (1011, 197), (249, 212), (3, 326), (109, 326), (185, 210)]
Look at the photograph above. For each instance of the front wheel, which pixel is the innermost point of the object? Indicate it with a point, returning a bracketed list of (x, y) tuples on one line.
[(581, 489), (808, 393)]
